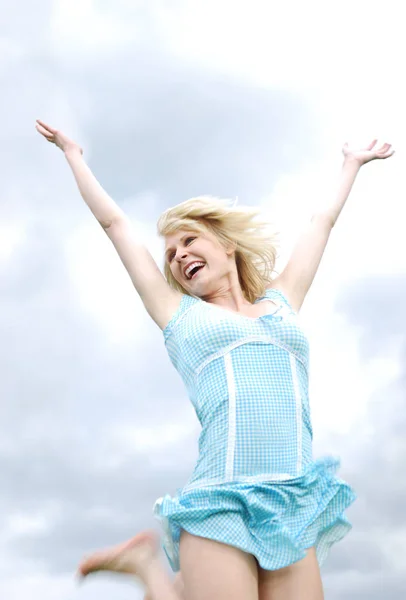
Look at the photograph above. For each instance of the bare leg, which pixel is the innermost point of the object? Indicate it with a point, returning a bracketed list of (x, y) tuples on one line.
[(215, 571), (137, 557), (177, 584), (300, 581)]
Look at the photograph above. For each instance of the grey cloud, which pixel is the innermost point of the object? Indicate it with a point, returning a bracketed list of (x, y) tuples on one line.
[(154, 125), (186, 133), (62, 391), (377, 470), (373, 586), (377, 306)]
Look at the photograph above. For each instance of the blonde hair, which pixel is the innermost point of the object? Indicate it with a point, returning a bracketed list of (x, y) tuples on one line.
[(254, 240)]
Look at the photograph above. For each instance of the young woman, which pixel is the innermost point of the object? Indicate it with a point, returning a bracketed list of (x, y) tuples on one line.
[(258, 516)]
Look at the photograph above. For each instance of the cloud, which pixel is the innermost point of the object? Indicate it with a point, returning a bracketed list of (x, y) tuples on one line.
[(378, 450), (94, 422)]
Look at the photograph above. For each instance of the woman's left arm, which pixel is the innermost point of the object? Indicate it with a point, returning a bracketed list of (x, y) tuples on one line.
[(297, 277)]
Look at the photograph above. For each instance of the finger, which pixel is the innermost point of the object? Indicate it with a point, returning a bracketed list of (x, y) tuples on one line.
[(371, 145), (386, 154), (45, 126), (384, 150), (42, 131)]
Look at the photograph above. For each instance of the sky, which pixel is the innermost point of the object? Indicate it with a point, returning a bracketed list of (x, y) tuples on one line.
[(172, 99)]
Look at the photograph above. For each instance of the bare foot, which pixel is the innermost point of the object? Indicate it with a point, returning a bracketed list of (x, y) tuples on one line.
[(131, 557)]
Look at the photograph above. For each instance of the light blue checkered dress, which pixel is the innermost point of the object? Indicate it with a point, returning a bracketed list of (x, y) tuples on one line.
[(255, 485)]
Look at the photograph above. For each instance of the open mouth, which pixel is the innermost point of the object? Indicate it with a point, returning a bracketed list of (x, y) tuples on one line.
[(193, 269)]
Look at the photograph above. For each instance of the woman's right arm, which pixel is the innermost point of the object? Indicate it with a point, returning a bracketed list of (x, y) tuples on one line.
[(159, 299)]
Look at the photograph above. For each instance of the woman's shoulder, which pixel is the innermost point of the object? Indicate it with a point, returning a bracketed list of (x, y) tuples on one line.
[(186, 303)]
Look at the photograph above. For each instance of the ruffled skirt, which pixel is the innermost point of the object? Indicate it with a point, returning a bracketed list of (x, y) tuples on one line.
[(275, 522)]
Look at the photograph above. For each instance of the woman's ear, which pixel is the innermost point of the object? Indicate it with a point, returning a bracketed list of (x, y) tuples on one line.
[(231, 248)]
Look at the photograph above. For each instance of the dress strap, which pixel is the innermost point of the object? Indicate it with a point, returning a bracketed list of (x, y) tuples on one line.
[(275, 294), (186, 303)]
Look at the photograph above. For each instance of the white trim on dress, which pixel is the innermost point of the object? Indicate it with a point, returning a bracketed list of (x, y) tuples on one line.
[(228, 363)]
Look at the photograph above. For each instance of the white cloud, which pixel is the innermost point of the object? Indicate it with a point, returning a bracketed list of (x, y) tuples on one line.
[(12, 235), (365, 242), (104, 290), (38, 587), (79, 26), (10, 51), (367, 236), (286, 44), (346, 70), (341, 383), (395, 549), (150, 440), (20, 523)]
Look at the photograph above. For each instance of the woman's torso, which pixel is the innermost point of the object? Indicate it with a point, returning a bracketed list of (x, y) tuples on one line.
[(248, 381)]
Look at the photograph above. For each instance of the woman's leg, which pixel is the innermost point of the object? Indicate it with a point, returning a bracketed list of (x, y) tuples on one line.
[(138, 557), (178, 586), (215, 571), (300, 581)]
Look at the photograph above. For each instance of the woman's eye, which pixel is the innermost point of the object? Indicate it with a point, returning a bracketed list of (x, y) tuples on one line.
[(189, 240), (171, 256)]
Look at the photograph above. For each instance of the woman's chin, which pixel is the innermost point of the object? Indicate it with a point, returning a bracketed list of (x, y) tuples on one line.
[(196, 289), (198, 286)]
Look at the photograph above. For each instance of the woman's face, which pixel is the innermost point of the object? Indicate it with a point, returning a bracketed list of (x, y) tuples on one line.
[(198, 262)]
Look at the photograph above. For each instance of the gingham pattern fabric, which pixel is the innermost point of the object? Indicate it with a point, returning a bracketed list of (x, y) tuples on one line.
[(255, 485)]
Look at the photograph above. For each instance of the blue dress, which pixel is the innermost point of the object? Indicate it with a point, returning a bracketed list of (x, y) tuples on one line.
[(255, 485)]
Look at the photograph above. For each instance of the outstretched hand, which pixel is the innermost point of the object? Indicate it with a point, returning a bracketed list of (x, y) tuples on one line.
[(56, 137), (369, 153)]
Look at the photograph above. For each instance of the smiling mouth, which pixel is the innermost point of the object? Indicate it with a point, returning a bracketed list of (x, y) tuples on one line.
[(191, 273), (196, 271)]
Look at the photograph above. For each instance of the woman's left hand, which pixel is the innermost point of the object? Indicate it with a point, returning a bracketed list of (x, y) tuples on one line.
[(367, 154)]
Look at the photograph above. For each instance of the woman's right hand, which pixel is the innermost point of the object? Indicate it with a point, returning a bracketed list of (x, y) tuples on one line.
[(57, 137)]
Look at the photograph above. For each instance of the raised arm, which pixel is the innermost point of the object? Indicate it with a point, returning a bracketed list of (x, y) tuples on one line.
[(297, 277), (160, 300)]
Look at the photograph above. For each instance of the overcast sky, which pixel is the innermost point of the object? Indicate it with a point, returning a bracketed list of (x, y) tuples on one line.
[(172, 99)]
